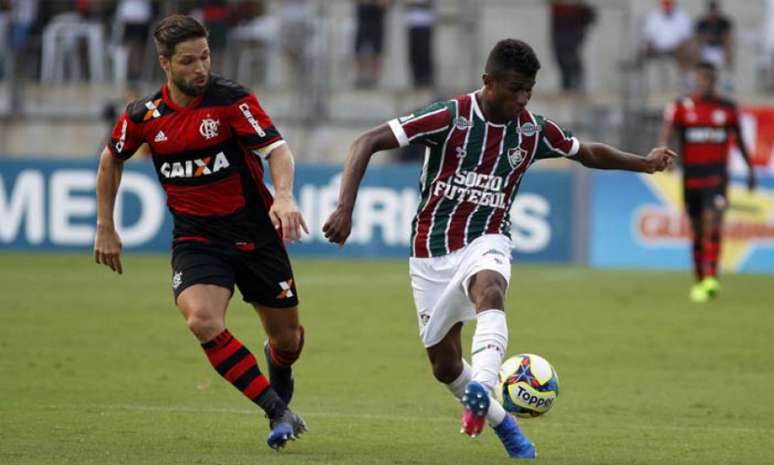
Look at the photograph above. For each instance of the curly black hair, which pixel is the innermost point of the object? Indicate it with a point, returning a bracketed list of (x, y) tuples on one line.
[(512, 55)]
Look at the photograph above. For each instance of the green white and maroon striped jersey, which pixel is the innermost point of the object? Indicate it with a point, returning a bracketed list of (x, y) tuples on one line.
[(472, 169)]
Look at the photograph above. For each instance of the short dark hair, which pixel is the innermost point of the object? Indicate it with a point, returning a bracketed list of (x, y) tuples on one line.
[(175, 29), (707, 66), (512, 55)]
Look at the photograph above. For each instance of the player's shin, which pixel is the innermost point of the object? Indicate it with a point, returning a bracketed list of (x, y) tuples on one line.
[(698, 258), (238, 366), (281, 367), (489, 343), (457, 387)]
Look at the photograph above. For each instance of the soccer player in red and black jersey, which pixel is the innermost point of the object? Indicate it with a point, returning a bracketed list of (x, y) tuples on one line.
[(209, 138), (704, 123)]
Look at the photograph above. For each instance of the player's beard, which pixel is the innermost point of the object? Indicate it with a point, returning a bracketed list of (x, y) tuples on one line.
[(191, 89)]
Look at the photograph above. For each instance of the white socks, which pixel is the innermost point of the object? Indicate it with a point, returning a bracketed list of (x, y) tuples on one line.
[(489, 342), (457, 387), (496, 413)]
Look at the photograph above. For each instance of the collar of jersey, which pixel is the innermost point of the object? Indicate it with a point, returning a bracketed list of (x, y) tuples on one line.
[(696, 97), (168, 100)]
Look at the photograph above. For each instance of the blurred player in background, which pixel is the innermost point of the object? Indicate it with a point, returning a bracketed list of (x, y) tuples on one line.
[(478, 147), (704, 123), (208, 137)]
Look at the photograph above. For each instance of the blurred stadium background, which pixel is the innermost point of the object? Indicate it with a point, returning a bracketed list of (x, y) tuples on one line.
[(96, 368), (69, 67)]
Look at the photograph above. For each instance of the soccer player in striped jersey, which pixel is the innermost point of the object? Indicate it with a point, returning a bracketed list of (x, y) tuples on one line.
[(478, 147), (704, 122)]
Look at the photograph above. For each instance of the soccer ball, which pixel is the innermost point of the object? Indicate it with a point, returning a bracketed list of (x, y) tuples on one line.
[(528, 385)]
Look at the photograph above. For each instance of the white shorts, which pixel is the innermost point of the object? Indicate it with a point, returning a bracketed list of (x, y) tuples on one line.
[(440, 284)]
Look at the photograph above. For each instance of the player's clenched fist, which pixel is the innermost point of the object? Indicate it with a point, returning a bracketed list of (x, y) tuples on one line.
[(659, 159), (338, 226)]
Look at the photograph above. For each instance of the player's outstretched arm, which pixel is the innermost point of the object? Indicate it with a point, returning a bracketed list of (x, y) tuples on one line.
[(107, 243), (740, 143), (339, 224), (605, 157), (665, 134), (284, 212)]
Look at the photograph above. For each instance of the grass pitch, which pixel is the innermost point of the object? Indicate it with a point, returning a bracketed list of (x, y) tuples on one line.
[(97, 368)]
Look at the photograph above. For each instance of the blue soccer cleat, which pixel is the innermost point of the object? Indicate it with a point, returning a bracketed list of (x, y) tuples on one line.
[(515, 442), (286, 427), (476, 402)]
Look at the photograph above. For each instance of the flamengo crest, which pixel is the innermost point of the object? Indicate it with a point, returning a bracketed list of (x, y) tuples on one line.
[(209, 128)]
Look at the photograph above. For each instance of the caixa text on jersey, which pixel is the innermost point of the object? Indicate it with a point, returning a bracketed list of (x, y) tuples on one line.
[(194, 168)]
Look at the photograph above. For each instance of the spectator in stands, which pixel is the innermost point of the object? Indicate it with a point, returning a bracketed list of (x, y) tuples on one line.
[(296, 32), (420, 20), (667, 35), (22, 16), (569, 23), (215, 15), (714, 35), (369, 40), (245, 11), (134, 17)]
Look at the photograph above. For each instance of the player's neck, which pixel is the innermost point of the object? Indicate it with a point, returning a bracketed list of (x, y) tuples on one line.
[(707, 95), (177, 96), (487, 111)]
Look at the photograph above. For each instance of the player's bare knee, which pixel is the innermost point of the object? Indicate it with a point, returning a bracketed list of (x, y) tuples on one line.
[(287, 339), (204, 326), (491, 296), (447, 370)]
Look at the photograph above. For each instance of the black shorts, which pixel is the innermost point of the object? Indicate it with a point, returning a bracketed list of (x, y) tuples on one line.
[(369, 36), (698, 200), (263, 275)]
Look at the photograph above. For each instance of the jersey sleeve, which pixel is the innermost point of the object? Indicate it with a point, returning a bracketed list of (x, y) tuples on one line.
[(254, 127), (555, 142), (428, 126), (673, 115), (734, 116), (126, 138)]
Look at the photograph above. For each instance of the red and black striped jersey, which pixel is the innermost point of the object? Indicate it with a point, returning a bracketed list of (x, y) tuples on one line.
[(472, 169), (207, 156), (704, 128)]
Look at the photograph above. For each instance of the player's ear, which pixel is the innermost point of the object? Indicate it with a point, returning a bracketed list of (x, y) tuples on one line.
[(488, 80), (164, 62)]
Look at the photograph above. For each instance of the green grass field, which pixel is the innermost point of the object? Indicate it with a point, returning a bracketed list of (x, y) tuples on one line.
[(100, 369)]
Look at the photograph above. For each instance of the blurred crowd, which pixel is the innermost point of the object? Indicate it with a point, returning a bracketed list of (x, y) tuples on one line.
[(110, 40), (672, 37)]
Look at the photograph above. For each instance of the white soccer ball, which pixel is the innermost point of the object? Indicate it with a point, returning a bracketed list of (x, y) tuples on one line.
[(528, 385)]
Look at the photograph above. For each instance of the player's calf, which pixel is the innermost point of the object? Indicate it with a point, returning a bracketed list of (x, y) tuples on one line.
[(280, 365)]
